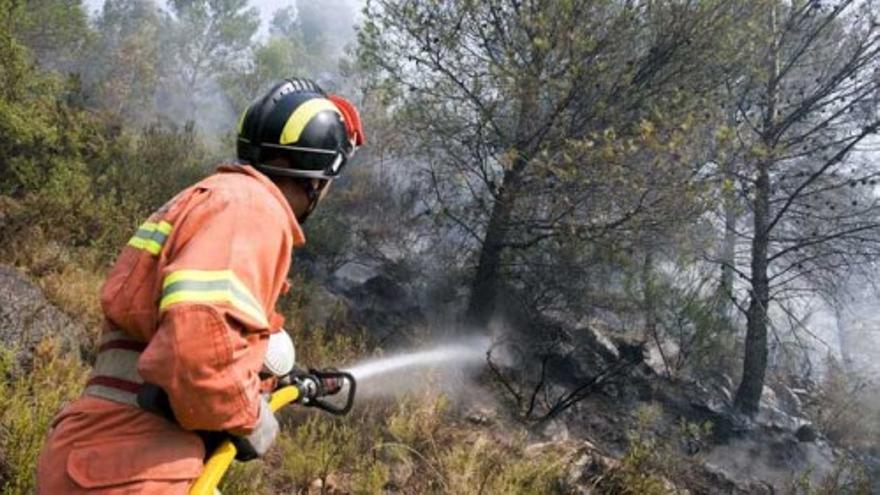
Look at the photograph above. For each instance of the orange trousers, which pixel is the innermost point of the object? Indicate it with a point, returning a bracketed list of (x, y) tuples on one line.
[(98, 446)]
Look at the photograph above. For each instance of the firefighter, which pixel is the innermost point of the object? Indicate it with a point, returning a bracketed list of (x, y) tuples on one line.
[(189, 307)]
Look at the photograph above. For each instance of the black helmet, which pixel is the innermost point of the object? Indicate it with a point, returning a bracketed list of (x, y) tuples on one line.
[(295, 130)]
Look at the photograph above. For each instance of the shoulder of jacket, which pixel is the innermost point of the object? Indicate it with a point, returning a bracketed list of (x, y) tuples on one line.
[(233, 190)]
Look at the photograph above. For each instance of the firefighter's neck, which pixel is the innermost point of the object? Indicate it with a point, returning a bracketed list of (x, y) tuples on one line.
[(294, 192)]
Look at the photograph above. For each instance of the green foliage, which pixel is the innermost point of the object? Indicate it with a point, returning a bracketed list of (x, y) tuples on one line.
[(846, 408), (486, 467), (417, 420), (245, 478), (128, 65), (99, 205), (55, 30), (276, 59), (653, 460), (846, 477), (419, 435), (304, 41), (691, 321), (29, 399), (317, 347), (318, 447), (210, 39), (371, 476)]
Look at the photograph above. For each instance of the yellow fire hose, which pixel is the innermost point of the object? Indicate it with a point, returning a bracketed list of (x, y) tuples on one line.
[(306, 388), (219, 462)]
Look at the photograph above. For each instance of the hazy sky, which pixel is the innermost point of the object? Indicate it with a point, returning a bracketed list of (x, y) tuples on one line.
[(267, 8)]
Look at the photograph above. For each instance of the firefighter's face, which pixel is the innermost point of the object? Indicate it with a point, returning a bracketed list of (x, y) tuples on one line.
[(297, 194)]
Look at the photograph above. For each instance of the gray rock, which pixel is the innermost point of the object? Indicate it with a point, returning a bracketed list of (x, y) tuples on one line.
[(27, 317), (323, 306), (351, 276), (400, 473), (556, 431), (806, 433), (481, 415), (789, 400), (380, 303), (773, 458)]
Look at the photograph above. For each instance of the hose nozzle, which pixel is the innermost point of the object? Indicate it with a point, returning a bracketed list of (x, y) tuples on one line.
[(314, 385)]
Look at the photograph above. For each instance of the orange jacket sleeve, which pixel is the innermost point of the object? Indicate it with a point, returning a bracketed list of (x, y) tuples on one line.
[(219, 287)]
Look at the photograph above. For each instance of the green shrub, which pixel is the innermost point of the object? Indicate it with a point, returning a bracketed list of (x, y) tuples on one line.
[(483, 465), (371, 476), (318, 447), (847, 477), (846, 408), (28, 402), (653, 461), (245, 478)]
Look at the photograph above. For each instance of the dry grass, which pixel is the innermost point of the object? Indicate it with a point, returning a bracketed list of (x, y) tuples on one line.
[(28, 402)]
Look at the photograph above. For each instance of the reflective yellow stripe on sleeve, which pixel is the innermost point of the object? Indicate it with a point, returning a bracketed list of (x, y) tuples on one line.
[(219, 286), (151, 236)]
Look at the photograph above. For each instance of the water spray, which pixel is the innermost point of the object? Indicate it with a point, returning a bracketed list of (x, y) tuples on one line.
[(323, 389), (401, 372), (469, 351)]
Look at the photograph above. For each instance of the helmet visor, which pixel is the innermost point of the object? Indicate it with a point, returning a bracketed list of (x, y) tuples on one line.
[(319, 163)]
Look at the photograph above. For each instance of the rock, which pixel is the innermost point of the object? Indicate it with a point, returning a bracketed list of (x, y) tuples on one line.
[(601, 464), (316, 486), (654, 360), (385, 288), (327, 486), (582, 460), (722, 483), (556, 431), (378, 302), (399, 473), (323, 306), (611, 390), (599, 342), (789, 401), (770, 457), (481, 415), (806, 433), (768, 398), (27, 317), (351, 276)]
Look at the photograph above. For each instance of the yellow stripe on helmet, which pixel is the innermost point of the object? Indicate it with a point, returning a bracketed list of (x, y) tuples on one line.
[(240, 124), (302, 116)]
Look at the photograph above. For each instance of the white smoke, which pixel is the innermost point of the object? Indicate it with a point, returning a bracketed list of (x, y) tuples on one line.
[(411, 371)]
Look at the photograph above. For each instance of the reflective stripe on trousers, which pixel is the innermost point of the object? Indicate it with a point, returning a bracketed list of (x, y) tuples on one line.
[(115, 376)]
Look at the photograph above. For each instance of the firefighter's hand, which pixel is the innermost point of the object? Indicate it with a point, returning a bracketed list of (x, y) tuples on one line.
[(257, 443)]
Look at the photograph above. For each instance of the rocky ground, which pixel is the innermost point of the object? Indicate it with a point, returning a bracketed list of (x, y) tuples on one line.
[(27, 317), (769, 453), (735, 455)]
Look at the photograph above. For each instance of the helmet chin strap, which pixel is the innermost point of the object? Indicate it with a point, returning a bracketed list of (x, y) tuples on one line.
[(314, 195)]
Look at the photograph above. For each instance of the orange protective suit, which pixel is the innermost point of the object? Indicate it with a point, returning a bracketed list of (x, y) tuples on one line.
[(189, 307)]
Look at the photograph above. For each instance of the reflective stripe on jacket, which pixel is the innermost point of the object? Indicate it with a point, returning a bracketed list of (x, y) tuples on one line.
[(198, 282), (191, 301)]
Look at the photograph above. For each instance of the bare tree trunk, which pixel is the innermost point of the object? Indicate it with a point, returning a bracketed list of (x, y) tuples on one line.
[(486, 282), (843, 338), (748, 395), (484, 288), (728, 248), (649, 295)]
